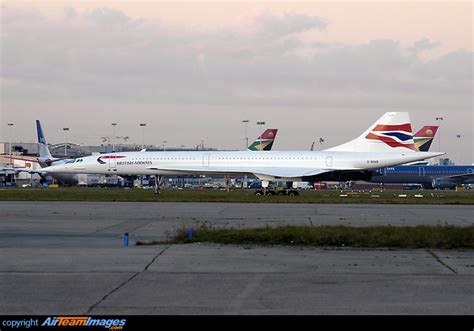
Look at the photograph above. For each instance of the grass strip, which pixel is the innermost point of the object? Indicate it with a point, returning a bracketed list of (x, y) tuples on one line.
[(240, 196), (449, 237)]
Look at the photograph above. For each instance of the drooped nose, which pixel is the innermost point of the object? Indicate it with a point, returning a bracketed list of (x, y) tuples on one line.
[(55, 169)]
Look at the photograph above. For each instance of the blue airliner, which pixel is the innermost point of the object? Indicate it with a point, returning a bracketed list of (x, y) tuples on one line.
[(430, 176)]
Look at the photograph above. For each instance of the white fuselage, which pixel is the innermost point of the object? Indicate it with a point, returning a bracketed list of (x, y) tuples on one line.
[(234, 162), (69, 178)]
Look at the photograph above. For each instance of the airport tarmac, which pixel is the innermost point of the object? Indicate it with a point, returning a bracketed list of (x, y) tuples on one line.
[(69, 258)]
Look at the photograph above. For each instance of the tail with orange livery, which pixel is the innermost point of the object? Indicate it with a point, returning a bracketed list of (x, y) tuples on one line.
[(265, 141), (424, 137)]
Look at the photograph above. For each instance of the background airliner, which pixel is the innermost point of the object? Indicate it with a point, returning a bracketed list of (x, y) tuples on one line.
[(388, 142), (45, 159), (430, 176), (424, 137), (265, 141)]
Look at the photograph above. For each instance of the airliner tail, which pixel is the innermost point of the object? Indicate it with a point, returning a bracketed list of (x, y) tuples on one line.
[(391, 132), (424, 137), (265, 141), (43, 150)]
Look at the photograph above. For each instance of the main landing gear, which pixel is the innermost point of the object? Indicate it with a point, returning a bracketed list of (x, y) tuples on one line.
[(158, 182), (289, 192)]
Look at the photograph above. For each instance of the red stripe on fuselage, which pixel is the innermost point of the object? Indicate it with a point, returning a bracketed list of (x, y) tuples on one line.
[(112, 157)]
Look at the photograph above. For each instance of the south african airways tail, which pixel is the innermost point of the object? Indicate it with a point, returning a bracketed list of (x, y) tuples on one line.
[(424, 137), (264, 142)]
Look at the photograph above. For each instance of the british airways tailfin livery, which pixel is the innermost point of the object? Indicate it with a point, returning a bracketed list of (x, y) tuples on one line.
[(392, 132)]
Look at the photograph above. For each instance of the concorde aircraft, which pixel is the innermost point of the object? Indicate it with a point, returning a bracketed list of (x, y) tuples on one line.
[(388, 142)]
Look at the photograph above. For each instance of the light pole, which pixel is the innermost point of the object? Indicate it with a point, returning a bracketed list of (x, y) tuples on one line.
[(10, 126), (65, 140), (143, 125), (321, 140), (202, 142), (113, 138), (164, 142), (261, 128), (459, 148), (439, 119), (246, 135)]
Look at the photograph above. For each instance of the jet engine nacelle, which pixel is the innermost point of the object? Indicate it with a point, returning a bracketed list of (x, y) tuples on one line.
[(339, 176), (443, 184)]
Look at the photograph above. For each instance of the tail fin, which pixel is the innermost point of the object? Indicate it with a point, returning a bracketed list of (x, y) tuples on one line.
[(44, 154), (392, 132), (424, 137), (264, 142)]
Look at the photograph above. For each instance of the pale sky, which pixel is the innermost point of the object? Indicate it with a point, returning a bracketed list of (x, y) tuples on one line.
[(195, 70)]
